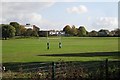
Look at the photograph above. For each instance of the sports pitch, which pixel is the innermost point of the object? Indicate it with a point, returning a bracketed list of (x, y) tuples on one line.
[(73, 49)]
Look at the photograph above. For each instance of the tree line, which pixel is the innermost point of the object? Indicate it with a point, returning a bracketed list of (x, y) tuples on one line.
[(15, 29), (82, 32)]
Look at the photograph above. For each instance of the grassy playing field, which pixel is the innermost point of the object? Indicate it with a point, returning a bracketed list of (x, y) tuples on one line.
[(73, 49)]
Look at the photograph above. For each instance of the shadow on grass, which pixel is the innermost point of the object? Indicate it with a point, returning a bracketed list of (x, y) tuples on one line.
[(89, 54), (35, 66), (14, 66)]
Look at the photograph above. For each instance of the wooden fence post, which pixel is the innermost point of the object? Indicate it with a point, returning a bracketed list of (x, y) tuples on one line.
[(106, 68), (101, 71), (53, 70)]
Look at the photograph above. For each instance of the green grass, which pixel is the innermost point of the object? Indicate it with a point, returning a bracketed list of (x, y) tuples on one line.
[(29, 50)]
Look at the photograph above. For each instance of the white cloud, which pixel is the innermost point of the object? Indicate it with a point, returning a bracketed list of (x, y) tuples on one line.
[(0, 12), (25, 6), (78, 10), (28, 0), (109, 23), (32, 18), (67, 0), (27, 12), (60, 0), (24, 12), (51, 25)]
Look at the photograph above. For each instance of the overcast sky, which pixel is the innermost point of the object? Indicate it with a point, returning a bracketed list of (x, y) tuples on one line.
[(55, 15)]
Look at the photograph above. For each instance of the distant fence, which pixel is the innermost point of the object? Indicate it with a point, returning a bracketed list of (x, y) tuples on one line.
[(94, 70)]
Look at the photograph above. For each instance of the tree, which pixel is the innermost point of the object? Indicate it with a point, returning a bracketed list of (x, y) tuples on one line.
[(67, 29), (74, 30), (17, 27), (8, 31), (35, 28), (93, 33), (0, 31), (29, 32), (117, 32), (103, 33), (82, 31), (22, 30), (35, 33)]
